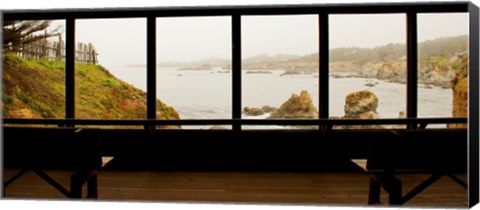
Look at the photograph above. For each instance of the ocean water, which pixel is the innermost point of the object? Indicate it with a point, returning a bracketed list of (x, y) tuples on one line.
[(206, 94)]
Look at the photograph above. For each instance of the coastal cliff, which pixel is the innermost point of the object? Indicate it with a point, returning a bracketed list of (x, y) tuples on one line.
[(36, 89), (460, 91)]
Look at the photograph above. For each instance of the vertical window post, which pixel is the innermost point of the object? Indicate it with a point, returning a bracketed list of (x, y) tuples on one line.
[(236, 72), (412, 66), (473, 68), (70, 68), (151, 67), (323, 66)]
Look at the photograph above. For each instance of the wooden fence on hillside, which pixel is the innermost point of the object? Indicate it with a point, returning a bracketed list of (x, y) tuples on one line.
[(55, 50)]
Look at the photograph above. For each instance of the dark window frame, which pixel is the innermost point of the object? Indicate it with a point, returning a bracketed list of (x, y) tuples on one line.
[(323, 11), (236, 12)]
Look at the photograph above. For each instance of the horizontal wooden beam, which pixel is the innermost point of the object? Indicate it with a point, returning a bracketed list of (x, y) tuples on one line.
[(418, 7), (236, 121)]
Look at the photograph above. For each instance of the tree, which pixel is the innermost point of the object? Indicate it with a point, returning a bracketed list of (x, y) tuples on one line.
[(18, 33)]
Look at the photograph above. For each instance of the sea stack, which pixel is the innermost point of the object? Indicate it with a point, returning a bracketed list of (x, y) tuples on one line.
[(297, 106), (361, 105)]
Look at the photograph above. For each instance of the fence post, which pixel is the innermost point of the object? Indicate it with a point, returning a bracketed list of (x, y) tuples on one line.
[(80, 52), (89, 55), (29, 48), (14, 47), (44, 47), (84, 53), (25, 48), (58, 54), (94, 54), (77, 50)]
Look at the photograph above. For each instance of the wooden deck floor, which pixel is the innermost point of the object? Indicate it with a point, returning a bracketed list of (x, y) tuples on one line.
[(342, 188)]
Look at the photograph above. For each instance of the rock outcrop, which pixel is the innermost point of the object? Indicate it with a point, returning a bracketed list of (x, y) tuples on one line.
[(437, 71), (460, 91), (460, 98), (360, 105), (252, 111), (393, 71), (268, 109), (255, 111), (297, 106)]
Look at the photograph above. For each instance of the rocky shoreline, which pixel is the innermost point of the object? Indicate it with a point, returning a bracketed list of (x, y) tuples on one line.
[(435, 71)]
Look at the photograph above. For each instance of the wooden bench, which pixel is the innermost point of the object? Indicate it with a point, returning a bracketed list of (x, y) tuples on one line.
[(389, 151), (54, 148), (439, 152)]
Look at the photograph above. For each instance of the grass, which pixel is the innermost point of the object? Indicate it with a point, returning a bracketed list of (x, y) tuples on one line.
[(36, 89)]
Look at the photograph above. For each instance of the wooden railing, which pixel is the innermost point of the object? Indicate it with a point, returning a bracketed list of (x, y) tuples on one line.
[(420, 123)]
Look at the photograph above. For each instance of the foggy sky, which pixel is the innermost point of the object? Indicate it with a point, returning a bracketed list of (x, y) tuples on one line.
[(123, 41)]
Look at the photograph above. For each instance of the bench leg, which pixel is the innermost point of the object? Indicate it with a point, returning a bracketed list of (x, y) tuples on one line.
[(393, 186), (92, 186), (81, 177), (374, 191), (390, 184), (395, 192), (76, 182)]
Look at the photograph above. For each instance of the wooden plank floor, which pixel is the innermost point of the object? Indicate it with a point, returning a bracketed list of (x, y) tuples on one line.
[(320, 188)]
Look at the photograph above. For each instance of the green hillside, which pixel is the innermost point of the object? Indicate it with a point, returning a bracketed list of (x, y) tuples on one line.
[(36, 89), (440, 47)]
